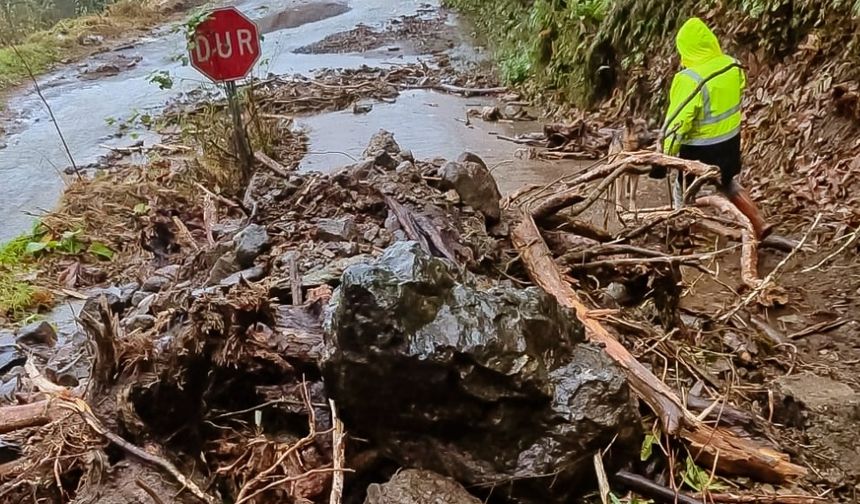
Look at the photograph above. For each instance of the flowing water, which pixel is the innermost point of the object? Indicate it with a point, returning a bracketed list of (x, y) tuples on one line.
[(88, 107)]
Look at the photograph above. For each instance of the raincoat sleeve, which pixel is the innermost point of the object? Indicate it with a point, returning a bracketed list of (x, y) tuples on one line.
[(682, 87)]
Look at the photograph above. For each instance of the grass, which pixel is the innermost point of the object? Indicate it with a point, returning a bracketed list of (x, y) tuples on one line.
[(17, 296), (45, 48)]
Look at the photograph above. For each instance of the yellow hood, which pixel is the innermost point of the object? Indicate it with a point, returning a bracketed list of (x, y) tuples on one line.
[(696, 43)]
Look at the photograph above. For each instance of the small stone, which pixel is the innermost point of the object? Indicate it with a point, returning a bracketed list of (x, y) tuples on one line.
[(161, 278), (37, 333), (406, 155), (512, 111), (361, 108), (10, 353), (617, 292), (224, 266), (412, 486), (383, 240), (332, 271), (250, 243), (381, 141), (223, 229), (139, 323), (127, 292), (146, 303), (138, 297), (816, 392), (3, 145), (371, 233), (490, 114), (475, 185), (249, 275), (340, 229), (404, 167)]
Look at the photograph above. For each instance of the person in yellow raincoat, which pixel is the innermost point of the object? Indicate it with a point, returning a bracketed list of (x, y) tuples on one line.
[(707, 128)]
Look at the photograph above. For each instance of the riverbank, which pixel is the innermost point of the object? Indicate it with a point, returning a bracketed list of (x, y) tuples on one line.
[(74, 39)]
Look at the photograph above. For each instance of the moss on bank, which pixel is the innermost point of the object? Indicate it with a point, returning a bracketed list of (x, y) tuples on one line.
[(580, 51)]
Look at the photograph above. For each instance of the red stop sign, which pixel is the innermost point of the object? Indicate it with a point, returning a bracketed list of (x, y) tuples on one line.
[(225, 46)]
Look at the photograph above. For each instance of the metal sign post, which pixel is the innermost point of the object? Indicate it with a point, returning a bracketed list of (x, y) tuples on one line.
[(226, 47)]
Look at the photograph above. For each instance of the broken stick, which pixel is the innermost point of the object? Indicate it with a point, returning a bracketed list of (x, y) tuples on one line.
[(271, 164), (731, 454)]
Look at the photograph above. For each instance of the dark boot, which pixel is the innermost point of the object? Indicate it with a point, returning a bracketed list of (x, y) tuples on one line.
[(742, 200)]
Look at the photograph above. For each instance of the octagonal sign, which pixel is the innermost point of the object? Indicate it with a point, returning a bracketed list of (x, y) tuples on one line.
[(226, 45)]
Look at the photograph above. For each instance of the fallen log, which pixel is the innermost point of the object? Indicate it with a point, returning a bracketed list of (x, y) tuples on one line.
[(634, 162), (730, 454), (749, 248), (13, 418)]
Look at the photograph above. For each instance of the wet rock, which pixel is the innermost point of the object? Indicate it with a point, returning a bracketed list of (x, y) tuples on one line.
[(138, 297), (250, 243), (160, 279), (10, 353), (406, 155), (37, 333), (512, 111), (227, 228), (3, 145), (405, 166), (474, 183), (224, 266), (362, 108), (370, 233), (413, 486), (331, 271), (381, 142), (361, 169), (442, 354), (140, 322), (340, 229), (490, 114), (127, 292), (248, 275)]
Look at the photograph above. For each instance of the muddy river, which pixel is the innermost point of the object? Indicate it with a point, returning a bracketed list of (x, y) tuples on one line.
[(89, 107)]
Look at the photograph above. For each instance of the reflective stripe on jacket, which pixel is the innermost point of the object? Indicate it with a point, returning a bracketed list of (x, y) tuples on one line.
[(714, 113)]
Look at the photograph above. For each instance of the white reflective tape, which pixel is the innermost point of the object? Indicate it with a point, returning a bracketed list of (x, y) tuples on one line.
[(715, 140), (719, 117)]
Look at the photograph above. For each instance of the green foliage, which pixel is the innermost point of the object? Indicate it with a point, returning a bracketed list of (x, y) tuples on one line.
[(580, 51), (16, 296), (614, 499), (162, 79), (698, 479), (648, 446), (39, 55)]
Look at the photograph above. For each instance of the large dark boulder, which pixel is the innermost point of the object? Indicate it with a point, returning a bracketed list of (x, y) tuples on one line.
[(489, 385)]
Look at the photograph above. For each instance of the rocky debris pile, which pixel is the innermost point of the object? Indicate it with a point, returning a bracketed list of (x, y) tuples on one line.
[(423, 33), (391, 300)]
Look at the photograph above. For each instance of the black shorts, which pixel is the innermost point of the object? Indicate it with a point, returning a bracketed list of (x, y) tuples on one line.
[(724, 155)]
